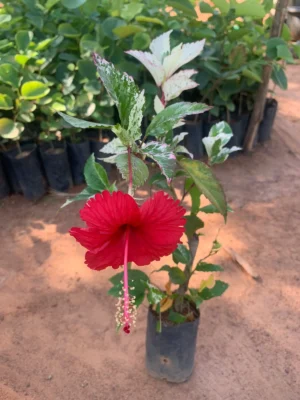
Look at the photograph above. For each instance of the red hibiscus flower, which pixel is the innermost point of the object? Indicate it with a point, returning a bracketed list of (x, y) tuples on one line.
[(115, 221)]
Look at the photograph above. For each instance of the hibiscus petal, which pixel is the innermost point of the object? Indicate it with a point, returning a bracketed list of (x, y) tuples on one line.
[(162, 225), (111, 254), (107, 212)]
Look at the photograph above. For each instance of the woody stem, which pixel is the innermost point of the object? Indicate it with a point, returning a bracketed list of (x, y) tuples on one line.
[(130, 180)]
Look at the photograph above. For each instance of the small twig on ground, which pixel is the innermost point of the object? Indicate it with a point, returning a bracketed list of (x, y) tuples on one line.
[(242, 263)]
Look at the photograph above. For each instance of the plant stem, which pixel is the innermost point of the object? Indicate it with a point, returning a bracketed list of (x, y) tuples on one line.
[(193, 245), (130, 181), (19, 147), (100, 137)]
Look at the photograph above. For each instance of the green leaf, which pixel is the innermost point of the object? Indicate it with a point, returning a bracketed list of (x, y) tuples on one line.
[(51, 3), (279, 77), (150, 20), (87, 69), (296, 50), (10, 129), (181, 255), (206, 8), (127, 30), (23, 39), (251, 75), (110, 24), (211, 209), (155, 295), (130, 10), (206, 182), (194, 193), (86, 194), (193, 223), (4, 18), (205, 267), (219, 288), (9, 75), (33, 90), (284, 53), (139, 169), (166, 268), (163, 155), (222, 5), (119, 86), (141, 41), (68, 30), (185, 6), (6, 102), (71, 4), (82, 124), (137, 279), (95, 175), (237, 57), (195, 297), (163, 122), (176, 317), (177, 276), (249, 8)]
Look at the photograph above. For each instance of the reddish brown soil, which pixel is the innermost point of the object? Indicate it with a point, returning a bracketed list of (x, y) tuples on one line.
[(57, 333)]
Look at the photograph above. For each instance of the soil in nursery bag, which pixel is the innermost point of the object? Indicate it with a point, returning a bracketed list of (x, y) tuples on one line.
[(170, 353), (78, 155), (28, 170), (4, 187), (193, 141), (96, 149), (266, 125), (56, 166)]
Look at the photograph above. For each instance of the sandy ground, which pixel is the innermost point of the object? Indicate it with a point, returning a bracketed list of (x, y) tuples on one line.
[(57, 336)]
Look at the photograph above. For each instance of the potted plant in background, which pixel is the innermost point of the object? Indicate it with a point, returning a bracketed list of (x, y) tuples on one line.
[(18, 96), (54, 154), (119, 231)]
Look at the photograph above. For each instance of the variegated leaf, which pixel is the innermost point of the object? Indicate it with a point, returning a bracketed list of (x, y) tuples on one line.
[(177, 83), (80, 123), (114, 147), (180, 55), (160, 46), (179, 138), (119, 86), (151, 63), (158, 105), (140, 171), (182, 149), (163, 155), (163, 122), (219, 135), (135, 118)]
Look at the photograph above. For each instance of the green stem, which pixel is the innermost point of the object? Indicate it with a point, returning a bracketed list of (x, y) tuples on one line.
[(193, 245)]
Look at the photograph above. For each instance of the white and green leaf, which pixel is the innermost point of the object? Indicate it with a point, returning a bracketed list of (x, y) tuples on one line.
[(140, 171), (160, 46), (163, 155), (82, 124), (120, 86), (163, 122), (177, 83), (152, 64), (180, 55)]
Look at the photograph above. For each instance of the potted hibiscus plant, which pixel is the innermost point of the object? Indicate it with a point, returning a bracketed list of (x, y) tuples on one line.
[(121, 232)]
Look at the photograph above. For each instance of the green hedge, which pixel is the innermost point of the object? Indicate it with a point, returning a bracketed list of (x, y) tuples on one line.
[(46, 65)]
